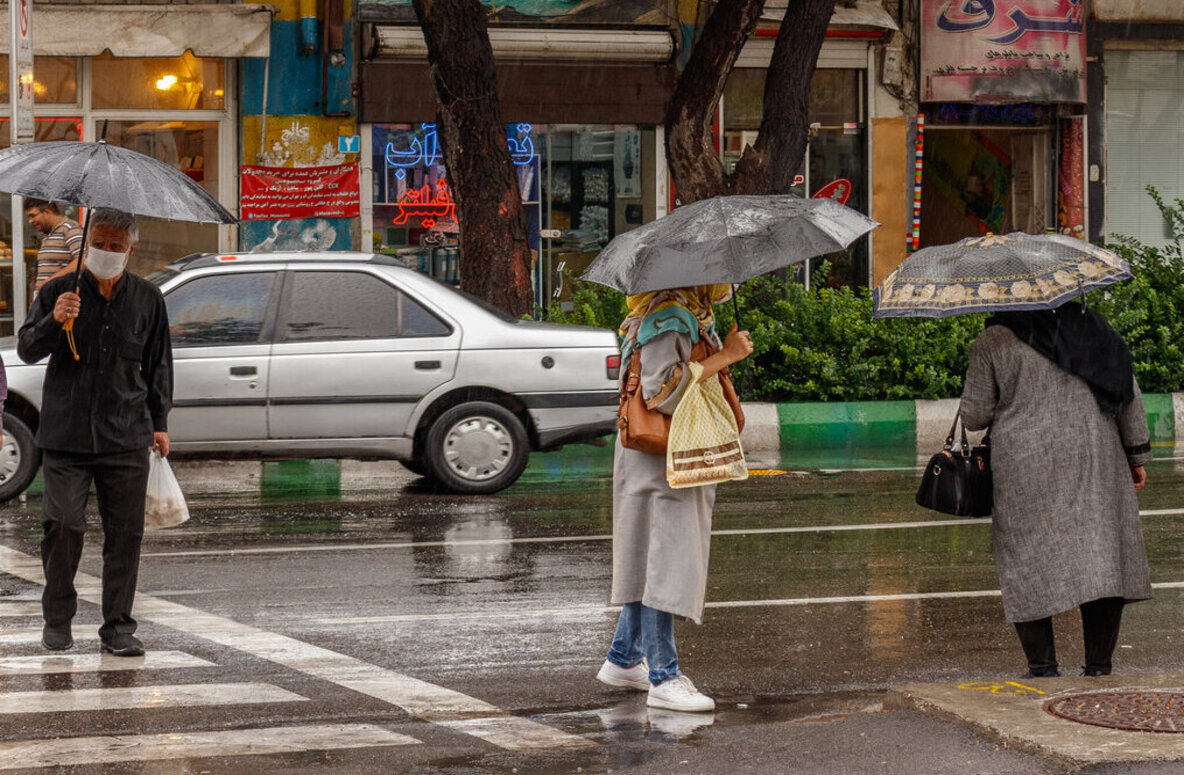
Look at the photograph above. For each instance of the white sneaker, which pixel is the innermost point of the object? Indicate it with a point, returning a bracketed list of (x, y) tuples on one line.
[(636, 677), (679, 694)]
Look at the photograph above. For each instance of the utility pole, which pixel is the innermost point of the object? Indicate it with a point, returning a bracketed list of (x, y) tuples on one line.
[(20, 96)]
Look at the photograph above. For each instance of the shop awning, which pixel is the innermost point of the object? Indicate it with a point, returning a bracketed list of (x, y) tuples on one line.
[(209, 30), (401, 91), (862, 14), (1139, 11), (526, 44)]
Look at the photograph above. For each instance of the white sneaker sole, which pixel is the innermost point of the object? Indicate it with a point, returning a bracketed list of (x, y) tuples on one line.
[(701, 706), (605, 677)]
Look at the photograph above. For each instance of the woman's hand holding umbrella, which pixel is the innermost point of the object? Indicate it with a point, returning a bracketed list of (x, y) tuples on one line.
[(737, 347)]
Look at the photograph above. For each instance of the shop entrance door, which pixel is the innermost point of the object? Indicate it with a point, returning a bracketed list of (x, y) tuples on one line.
[(980, 180)]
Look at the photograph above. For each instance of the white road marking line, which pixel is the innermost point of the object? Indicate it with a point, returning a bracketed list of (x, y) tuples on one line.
[(598, 610), (929, 523), (26, 635), (113, 749), (127, 697), (418, 698), (20, 608), (65, 662)]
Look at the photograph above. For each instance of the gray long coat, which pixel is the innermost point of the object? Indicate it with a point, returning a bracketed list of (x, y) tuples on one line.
[(1066, 522), (661, 536)]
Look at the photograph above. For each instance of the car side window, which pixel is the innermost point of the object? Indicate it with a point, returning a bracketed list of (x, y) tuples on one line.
[(219, 309), (351, 305)]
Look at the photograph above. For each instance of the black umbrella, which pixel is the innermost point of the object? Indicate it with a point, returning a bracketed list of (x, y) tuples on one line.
[(102, 175)]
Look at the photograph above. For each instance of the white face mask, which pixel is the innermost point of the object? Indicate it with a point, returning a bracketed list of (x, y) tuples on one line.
[(104, 264)]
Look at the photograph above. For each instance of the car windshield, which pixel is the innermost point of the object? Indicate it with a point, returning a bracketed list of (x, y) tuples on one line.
[(161, 276)]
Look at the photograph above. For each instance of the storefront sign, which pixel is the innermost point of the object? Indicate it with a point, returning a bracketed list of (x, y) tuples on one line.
[(838, 190), (1003, 50), (518, 11), (281, 193)]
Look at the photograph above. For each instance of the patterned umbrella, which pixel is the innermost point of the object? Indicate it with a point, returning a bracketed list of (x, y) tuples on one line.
[(727, 239), (104, 175), (996, 273)]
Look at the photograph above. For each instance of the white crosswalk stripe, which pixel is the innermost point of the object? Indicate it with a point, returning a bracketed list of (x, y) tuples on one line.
[(32, 635), (421, 699), (62, 662), (20, 608), (159, 696), (112, 749)]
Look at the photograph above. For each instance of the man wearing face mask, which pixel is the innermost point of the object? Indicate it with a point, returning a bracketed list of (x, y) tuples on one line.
[(100, 415)]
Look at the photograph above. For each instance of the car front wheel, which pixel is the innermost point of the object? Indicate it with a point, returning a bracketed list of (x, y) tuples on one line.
[(476, 448), (19, 458)]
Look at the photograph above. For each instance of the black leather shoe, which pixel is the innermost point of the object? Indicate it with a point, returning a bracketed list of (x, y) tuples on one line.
[(1094, 672), (124, 645), (57, 638), (1045, 672)]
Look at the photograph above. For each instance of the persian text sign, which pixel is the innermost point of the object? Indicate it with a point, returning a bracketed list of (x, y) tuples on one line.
[(1003, 50), (282, 193)]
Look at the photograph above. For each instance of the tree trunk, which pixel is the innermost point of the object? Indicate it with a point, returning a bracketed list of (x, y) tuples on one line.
[(694, 163), (495, 254), (771, 164)]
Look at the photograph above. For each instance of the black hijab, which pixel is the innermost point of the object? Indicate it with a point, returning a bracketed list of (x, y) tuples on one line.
[(1081, 342)]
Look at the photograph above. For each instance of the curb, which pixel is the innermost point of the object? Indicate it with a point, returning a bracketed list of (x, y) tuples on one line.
[(853, 427)]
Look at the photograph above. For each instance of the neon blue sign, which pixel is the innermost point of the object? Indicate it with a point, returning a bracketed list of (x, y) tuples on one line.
[(424, 148), (420, 153)]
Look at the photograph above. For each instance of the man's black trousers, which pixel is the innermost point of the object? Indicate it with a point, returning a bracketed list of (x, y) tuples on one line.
[(121, 480)]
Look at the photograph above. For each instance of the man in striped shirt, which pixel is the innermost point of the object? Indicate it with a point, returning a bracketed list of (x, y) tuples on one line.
[(61, 243)]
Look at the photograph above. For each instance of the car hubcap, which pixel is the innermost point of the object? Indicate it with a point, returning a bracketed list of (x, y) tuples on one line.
[(478, 448), (10, 458)]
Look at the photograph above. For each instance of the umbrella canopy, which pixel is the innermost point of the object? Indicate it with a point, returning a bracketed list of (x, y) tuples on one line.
[(996, 273), (727, 239), (103, 175)]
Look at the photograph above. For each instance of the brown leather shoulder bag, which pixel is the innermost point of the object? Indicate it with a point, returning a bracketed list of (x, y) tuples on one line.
[(647, 430)]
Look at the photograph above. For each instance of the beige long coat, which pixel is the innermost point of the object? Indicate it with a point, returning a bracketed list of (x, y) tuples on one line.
[(1066, 522), (661, 536)]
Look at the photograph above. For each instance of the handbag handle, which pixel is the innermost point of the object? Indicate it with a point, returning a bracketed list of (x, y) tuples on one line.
[(953, 432)]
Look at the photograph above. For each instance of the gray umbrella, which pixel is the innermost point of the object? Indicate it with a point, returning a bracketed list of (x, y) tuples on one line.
[(728, 239), (996, 273), (104, 175)]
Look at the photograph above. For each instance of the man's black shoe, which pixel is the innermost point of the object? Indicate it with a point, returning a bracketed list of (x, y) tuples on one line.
[(124, 645), (57, 638)]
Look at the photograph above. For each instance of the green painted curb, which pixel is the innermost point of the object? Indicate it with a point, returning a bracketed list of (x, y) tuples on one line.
[(1161, 416), (847, 424)]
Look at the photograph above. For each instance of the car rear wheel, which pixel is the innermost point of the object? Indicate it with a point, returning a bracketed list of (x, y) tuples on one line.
[(19, 458), (476, 448)]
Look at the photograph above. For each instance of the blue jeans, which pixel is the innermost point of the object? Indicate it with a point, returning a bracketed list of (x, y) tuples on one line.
[(644, 631)]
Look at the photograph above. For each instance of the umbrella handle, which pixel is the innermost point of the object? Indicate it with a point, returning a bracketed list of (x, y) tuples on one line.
[(735, 306), (68, 327)]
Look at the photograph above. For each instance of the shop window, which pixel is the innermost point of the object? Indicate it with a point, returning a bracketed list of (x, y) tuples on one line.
[(157, 83), (191, 147), (1144, 112), (351, 305), (55, 80), (226, 309), (835, 163)]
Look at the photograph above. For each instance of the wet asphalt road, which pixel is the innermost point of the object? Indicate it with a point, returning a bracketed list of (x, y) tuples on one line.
[(816, 605)]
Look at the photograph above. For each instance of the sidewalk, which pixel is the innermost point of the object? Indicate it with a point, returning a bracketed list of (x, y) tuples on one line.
[(1017, 713)]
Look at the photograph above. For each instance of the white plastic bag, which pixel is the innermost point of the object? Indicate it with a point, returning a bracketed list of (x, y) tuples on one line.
[(704, 444), (165, 505)]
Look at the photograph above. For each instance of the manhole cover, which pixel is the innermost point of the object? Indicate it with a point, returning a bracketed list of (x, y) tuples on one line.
[(1133, 711)]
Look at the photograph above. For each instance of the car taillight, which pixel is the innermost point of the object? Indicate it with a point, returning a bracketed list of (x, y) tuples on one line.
[(612, 365)]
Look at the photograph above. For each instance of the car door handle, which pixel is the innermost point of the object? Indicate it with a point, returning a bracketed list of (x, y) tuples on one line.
[(427, 365), (243, 371)]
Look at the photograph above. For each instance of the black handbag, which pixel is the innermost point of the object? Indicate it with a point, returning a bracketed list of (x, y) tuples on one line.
[(958, 480)]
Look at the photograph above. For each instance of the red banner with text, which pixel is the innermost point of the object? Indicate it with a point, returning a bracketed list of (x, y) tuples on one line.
[(282, 193)]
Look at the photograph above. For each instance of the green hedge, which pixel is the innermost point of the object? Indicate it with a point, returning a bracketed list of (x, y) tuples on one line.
[(823, 344)]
